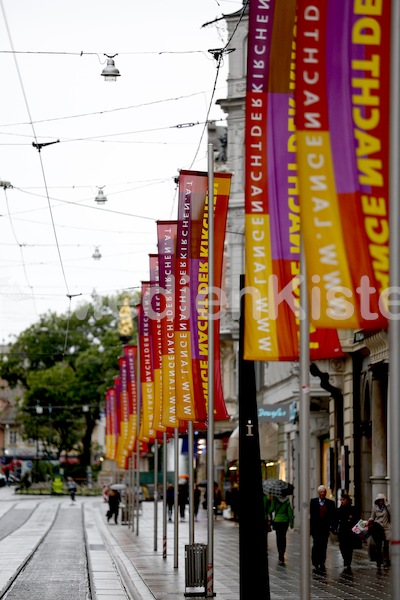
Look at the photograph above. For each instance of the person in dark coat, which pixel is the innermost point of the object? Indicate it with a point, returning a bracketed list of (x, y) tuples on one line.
[(170, 500), (114, 499), (345, 519), (183, 495), (196, 500), (322, 515), (234, 501)]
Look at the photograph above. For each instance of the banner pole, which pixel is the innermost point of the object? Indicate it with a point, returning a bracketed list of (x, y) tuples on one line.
[(304, 430), (176, 488), (210, 412), (394, 282), (155, 495), (139, 408), (191, 481), (165, 473)]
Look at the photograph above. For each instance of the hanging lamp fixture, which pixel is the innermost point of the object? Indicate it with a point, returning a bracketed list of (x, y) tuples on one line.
[(110, 71), (96, 254), (101, 198)]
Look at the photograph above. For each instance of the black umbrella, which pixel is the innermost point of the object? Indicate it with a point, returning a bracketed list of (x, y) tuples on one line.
[(277, 487)]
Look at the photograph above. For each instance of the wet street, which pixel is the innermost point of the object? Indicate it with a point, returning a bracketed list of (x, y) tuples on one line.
[(51, 548)]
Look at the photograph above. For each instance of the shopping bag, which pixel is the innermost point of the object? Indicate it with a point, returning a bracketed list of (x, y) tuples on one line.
[(360, 528)]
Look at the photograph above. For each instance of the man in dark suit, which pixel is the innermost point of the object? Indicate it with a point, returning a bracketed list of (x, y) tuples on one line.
[(322, 514)]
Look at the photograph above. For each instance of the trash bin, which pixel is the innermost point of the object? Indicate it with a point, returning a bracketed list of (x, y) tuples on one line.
[(196, 568)]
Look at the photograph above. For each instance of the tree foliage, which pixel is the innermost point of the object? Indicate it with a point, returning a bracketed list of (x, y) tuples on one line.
[(65, 363)]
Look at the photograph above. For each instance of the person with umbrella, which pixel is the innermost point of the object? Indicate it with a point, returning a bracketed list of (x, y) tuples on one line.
[(281, 516)]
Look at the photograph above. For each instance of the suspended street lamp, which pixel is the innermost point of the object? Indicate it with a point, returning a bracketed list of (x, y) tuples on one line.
[(110, 71), (96, 254), (101, 198)]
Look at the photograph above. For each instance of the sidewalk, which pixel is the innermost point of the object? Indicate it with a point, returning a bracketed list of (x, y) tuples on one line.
[(157, 578), (127, 564)]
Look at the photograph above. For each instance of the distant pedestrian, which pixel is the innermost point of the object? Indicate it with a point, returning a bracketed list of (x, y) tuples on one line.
[(71, 488), (345, 519), (234, 501), (196, 500), (170, 500), (322, 514), (379, 527), (7, 475), (114, 499), (183, 495), (217, 500), (281, 513)]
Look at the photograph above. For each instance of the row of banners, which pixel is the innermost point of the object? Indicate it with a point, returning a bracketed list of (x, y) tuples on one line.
[(317, 139), (168, 369), (316, 181)]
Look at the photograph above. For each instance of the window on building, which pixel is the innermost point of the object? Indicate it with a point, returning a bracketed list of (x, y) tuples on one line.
[(13, 437)]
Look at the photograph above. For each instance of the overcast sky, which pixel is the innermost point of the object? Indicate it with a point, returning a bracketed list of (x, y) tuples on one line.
[(122, 135)]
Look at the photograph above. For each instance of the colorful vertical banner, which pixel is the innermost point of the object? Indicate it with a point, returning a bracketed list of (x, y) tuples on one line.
[(166, 240), (342, 120), (147, 432), (272, 220), (124, 414), (186, 407), (117, 387), (112, 398), (130, 353), (156, 342), (193, 192)]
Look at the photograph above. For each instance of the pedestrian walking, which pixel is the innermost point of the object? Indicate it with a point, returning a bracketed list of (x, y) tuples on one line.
[(217, 499), (345, 519), (379, 528), (182, 499), (281, 517), (114, 499), (7, 475), (322, 514), (71, 488), (234, 501), (170, 500), (196, 500)]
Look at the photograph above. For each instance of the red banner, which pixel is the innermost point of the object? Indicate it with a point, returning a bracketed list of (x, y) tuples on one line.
[(147, 432), (166, 235), (156, 342), (193, 200), (130, 353)]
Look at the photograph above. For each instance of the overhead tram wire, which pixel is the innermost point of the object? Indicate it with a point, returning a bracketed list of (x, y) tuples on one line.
[(20, 246), (39, 147), (218, 55)]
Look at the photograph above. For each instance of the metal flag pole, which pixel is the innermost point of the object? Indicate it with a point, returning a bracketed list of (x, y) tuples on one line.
[(139, 408), (164, 554), (394, 282), (210, 412), (176, 486), (304, 426), (155, 495), (191, 481)]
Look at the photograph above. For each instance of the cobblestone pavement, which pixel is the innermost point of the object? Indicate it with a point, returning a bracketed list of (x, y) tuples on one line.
[(126, 563), (168, 583)]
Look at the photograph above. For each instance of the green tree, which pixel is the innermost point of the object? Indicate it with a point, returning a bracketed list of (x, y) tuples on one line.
[(65, 363)]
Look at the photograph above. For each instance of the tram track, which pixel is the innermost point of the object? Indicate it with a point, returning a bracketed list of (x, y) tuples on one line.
[(49, 556)]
